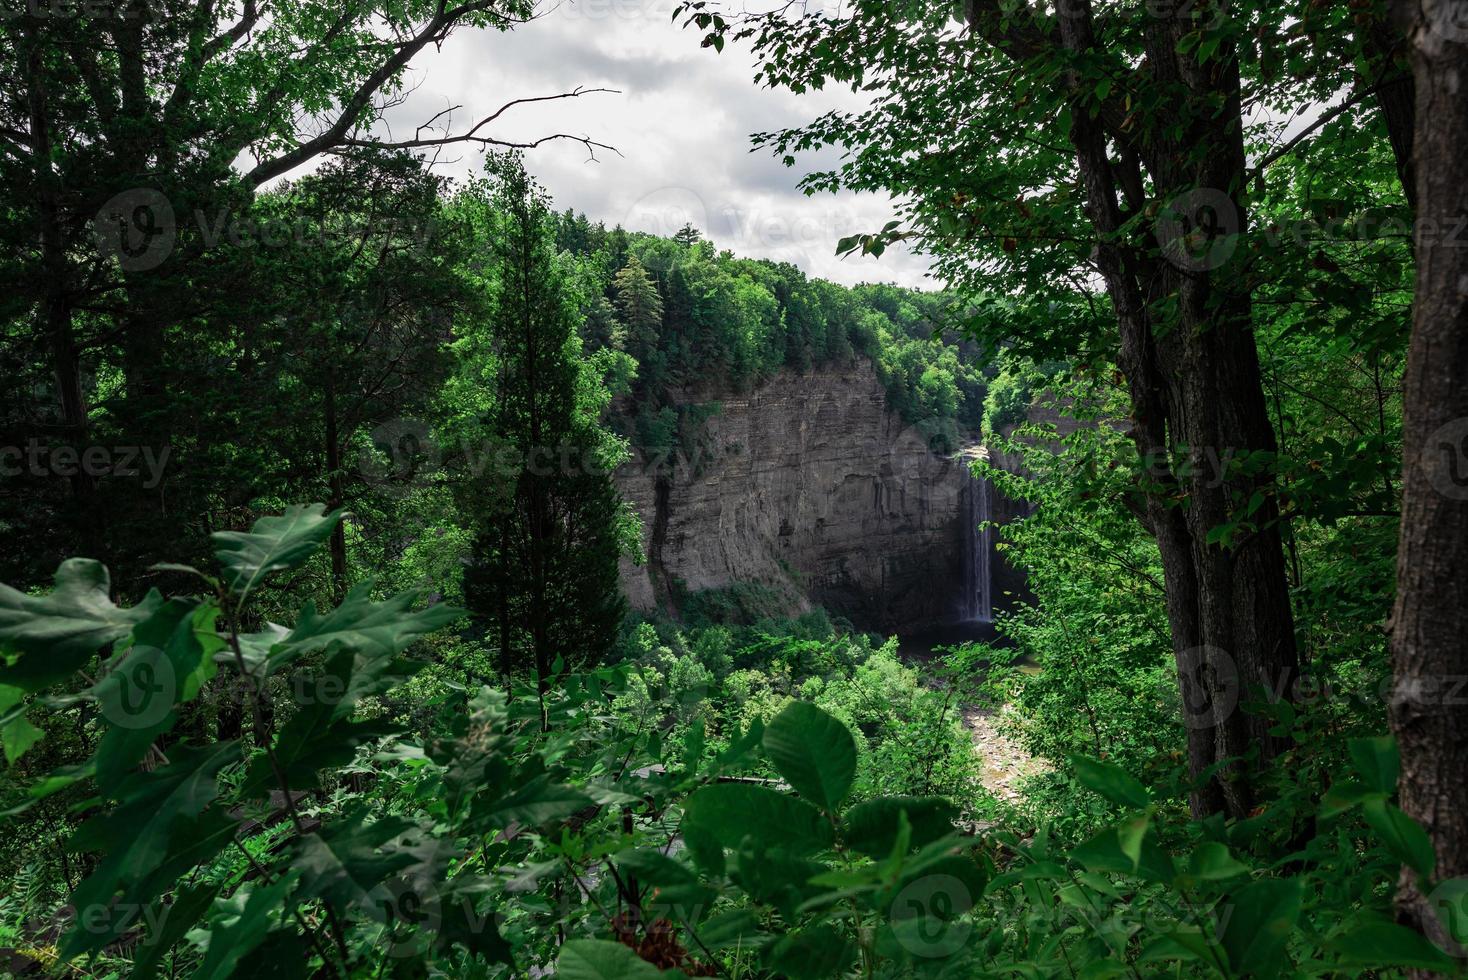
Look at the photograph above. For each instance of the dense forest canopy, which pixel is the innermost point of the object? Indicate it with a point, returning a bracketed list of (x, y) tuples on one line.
[(314, 654)]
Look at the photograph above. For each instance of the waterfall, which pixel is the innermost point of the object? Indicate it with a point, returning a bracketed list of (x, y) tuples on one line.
[(978, 579)]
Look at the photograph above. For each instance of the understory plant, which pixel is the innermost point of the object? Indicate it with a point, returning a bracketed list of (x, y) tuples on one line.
[(481, 833)]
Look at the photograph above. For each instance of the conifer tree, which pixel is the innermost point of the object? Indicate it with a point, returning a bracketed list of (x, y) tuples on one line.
[(543, 573), (642, 309)]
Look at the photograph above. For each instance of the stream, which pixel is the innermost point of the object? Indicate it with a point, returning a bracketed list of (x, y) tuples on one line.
[(1005, 762)]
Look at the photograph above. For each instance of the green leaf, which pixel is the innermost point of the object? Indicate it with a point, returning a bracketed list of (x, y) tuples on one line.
[(653, 867), (1402, 835), (772, 876), (274, 544), (372, 629), (1377, 943), (241, 922), (1259, 919), (1345, 794), (728, 812), (1212, 861), (814, 752), (1377, 761), (1112, 782), (812, 954), (159, 828), (539, 801), (16, 733), (56, 634), (871, 827), (346, 863), (599, 959), (172, 922), (1103, 853), (169, 661)]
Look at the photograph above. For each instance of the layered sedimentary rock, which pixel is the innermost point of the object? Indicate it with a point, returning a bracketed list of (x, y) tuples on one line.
[(809, 486)]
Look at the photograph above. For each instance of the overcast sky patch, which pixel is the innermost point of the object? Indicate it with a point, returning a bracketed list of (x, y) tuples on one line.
[(680, 121)]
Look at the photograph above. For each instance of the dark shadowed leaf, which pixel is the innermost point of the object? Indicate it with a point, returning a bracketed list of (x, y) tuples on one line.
[(273, 544), (814, 752), (729, 812), (57, 633)]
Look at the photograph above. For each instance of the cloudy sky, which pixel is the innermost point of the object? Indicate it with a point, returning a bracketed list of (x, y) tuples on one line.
[(681, 121)]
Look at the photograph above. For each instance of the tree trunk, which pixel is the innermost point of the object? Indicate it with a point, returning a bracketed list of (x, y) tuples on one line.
[(334, 483), (1430, 617), (1196, 392), (1395, 94)]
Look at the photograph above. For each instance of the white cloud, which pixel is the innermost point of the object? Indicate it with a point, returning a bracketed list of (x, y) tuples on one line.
[(681, 122)]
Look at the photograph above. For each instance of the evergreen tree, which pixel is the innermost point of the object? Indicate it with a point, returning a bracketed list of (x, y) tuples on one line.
[(543, 573), (642, 309)]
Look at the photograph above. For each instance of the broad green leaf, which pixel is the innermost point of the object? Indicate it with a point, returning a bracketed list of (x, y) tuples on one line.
[(464, 924), (346, 862), (772, 876), (372, 629), (1255, 924), (1212, 861), (16, 733), (167, 924), (169, 661), (653, 867), (729, 812), (814, 752), (816, 953), (871, 827), (1181, 944), (159, 829), (1377, 761), (274, 544), (601, 959), (1112, 782), (1343, 795), (737, 928), (57, 633), (241, 922), (1377, 943), (1402, 835), (539, 801)]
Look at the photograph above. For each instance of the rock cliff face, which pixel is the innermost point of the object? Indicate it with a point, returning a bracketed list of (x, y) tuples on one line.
[(809, 486)]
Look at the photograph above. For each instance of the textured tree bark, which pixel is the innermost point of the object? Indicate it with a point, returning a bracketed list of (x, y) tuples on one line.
[(1197, 392), (1395, 94), (1429, 627)]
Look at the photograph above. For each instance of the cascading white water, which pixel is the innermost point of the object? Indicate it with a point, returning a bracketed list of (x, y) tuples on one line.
[(978, 584)]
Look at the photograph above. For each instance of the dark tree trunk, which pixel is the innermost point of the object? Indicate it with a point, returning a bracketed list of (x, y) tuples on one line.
[(334, 483), (1196, 391), (1395, 94), (55, 313), (1430, 619), (502, 608)]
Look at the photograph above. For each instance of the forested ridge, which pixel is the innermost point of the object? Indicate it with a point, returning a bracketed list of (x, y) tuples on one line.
[(314, 658)]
